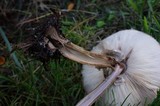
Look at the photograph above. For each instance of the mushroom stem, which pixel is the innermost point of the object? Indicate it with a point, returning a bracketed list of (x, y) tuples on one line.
[(76, 53), (96, 93), (82, 56)]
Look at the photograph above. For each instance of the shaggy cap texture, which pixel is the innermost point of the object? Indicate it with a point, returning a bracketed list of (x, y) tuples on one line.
[(140, 81)]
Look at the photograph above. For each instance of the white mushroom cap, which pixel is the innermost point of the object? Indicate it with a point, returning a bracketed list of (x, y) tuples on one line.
[(140, 81)]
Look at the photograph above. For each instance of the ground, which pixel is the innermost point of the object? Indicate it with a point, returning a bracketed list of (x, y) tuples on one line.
[(85, 24)]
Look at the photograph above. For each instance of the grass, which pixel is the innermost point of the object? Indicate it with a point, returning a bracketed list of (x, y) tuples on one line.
[(89, 22)]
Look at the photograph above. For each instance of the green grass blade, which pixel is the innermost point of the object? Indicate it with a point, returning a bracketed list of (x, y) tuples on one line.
[(145, 25), (156, 22), (13, 55), (133, 5)]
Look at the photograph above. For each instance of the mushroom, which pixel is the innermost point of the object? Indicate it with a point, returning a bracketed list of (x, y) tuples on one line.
[(138, 83), (124, 68)]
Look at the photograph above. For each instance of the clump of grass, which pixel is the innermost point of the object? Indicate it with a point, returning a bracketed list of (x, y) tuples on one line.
[(89, 22), (156, 102)]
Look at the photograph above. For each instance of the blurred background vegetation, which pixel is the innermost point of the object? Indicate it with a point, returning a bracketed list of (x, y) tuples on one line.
[(85, 24)]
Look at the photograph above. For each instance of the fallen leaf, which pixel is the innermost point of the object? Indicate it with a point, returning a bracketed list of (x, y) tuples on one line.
[(70, 6), (2, 60)]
